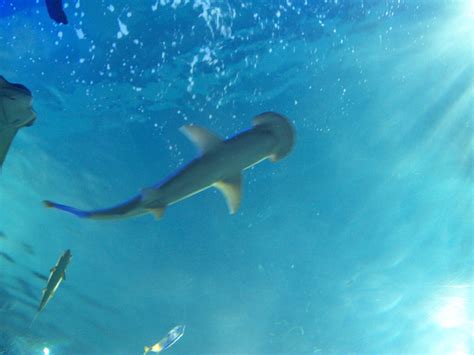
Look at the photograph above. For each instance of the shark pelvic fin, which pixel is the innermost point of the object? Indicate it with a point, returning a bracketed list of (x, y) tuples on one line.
[(232, 191), (157, 212), (150, 199), (204, 139)]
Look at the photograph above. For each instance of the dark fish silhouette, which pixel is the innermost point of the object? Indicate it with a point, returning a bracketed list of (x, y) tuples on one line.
[(20, 316), (26, 288), (94, 303), (56, 12), (7, 257), (25, 303), (39, 275), (27, 248)]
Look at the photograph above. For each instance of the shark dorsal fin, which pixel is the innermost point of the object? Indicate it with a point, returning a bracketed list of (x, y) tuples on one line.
[(232, 190), (204, 139)]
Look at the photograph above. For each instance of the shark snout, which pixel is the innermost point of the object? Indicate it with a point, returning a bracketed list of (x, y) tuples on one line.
[(281, 129)]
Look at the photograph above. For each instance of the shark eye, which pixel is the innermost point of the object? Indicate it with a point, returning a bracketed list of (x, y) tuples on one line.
[(12, 98)]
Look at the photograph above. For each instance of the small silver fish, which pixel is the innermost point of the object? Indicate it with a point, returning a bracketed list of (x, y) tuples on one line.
[(172, 337)]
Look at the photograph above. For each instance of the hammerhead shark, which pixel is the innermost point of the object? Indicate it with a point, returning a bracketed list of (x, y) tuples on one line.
[(56, 276), (16, 111), (219, 165)]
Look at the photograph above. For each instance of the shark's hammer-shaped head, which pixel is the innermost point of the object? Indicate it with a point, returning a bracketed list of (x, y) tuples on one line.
[(16, 104), (280, 128)]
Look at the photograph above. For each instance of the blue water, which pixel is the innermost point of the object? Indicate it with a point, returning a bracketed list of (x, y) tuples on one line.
[(360, 241)]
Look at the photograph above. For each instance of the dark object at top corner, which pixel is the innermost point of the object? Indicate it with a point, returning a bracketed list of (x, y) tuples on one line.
[(56, 12)]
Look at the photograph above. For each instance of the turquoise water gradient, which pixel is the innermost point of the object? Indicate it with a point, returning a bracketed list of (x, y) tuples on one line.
[(359, 242)]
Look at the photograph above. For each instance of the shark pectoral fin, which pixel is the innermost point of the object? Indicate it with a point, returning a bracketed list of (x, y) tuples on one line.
[(232, 191), (6, 138), (157, 212), (204, 139)]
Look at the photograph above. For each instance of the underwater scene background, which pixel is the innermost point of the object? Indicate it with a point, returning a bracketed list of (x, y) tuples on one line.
[(360, 241)]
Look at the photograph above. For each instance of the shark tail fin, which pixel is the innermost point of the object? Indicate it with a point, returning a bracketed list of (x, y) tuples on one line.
[(75, 211), (34, 319)]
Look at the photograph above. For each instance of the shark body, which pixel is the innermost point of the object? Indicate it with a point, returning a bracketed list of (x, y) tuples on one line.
[(56, 276), (16, 112), (219, 165)]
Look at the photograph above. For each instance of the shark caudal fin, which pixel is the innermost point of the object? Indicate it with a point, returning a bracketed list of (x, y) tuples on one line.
[(69, 209), (34, 319)]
